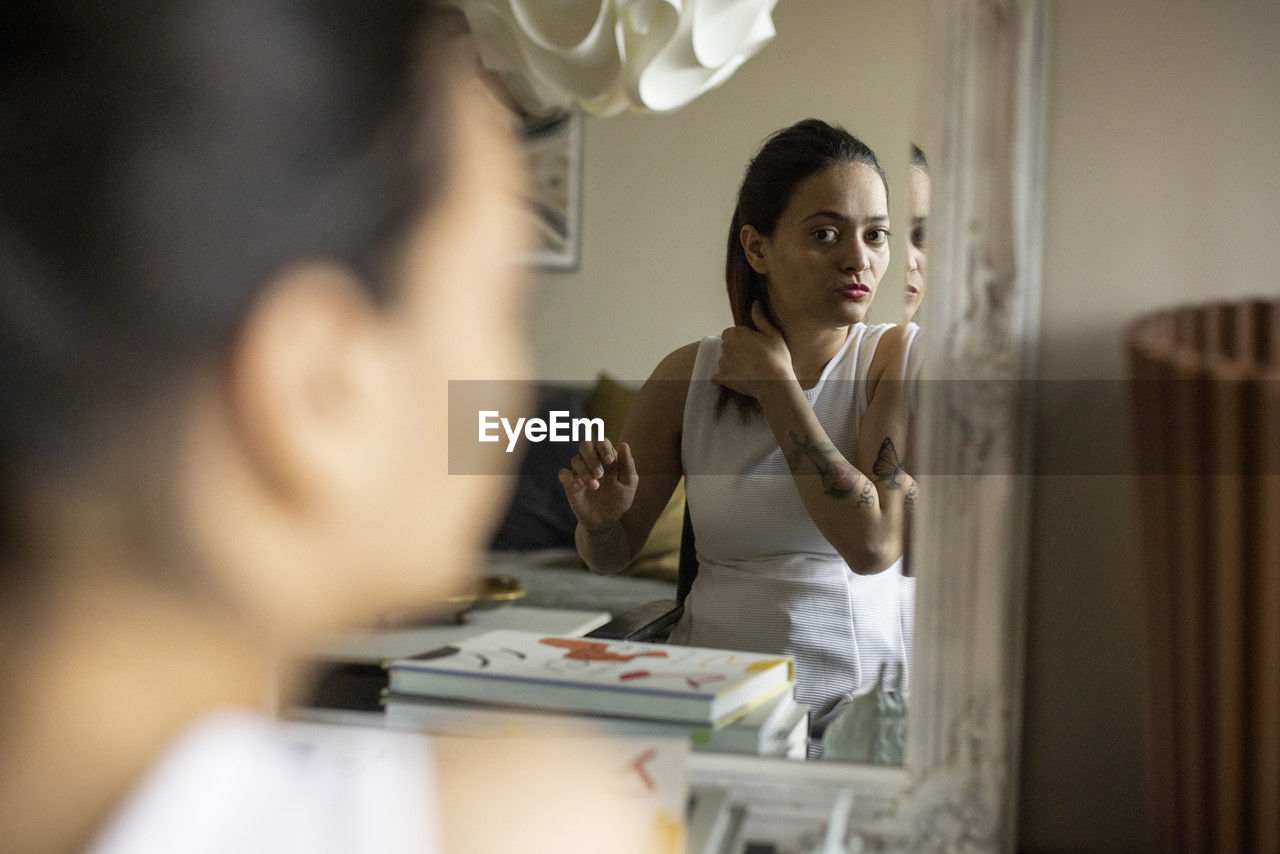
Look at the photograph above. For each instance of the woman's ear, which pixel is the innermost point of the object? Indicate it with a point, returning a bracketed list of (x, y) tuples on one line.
[(303, 385), (753, 244)]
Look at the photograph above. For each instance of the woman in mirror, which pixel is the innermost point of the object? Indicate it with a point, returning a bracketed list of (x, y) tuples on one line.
[(243, 247), (918, 192), (787, 427)]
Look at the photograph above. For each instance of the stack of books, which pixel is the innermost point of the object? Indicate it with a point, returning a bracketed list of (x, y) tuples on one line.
[(513, 683)]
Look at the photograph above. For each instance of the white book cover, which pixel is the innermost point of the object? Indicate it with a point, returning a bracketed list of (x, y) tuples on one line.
[(659, 681)]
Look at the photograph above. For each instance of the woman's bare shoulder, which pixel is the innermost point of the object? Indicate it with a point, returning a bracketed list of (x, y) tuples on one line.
[(660, 404), (897, 337), (893, 346), (893, 349), (678, 364)]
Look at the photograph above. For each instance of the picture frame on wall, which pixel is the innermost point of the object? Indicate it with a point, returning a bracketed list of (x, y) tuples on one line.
[(553, 155)]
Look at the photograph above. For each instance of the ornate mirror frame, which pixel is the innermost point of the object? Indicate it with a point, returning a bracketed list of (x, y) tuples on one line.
[(969, 546)]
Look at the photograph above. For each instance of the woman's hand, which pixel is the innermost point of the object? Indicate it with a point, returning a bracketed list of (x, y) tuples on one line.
[(601, 484), (750, 359)]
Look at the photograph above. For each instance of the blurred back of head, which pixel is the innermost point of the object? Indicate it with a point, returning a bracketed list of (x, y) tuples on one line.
[(162, 161)]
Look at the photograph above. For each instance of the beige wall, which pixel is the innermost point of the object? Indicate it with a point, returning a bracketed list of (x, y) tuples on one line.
[(659, 189), (1162, 187)]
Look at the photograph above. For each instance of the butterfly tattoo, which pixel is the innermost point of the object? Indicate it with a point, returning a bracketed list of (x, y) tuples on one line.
[(889, 466)]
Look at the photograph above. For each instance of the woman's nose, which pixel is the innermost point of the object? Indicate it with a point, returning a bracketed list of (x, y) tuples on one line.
[(856, 258)]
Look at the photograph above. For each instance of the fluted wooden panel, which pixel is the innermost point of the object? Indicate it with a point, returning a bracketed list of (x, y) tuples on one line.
[(1206, 399)]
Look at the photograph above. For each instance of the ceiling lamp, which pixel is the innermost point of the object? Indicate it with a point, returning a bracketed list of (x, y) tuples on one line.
[(603, 56)]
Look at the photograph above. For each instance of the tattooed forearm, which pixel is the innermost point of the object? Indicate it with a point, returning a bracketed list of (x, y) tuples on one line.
[(839, 477), (797, 456)]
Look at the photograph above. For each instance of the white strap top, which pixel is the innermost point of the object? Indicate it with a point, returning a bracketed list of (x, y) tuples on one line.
[(244, 783), (768, 580)]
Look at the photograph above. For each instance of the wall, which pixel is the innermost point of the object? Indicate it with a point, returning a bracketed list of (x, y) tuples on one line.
[(1162, 185), (659, 189), (1161, 188)]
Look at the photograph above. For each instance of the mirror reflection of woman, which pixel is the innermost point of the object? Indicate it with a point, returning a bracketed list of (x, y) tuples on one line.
[(243, 248), (918, 193), (788, 427)]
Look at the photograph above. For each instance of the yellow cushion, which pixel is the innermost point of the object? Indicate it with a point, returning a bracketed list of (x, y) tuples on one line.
[(660, 557), (610, 401)]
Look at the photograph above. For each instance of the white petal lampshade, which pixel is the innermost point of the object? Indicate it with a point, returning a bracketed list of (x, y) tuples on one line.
[(603, 56)]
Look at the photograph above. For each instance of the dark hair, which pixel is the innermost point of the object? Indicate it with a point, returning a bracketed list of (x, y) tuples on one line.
[(163, 160), (786, 159), (917, 157)]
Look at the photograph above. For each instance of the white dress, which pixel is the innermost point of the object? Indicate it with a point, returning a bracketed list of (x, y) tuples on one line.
[(768, 580), (249, 784)]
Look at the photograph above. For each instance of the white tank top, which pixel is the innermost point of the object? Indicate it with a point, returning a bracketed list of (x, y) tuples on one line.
[(768, 580), (240, 782)]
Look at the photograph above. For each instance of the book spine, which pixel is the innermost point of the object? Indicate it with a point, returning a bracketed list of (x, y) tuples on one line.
[(468, 720), (549, 695)]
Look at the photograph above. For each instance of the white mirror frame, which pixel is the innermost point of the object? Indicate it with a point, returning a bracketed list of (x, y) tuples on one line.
[(969, 547)]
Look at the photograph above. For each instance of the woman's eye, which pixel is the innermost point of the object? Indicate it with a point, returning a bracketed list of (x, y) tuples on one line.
[(917, 237), (878, 235), (826, 235)]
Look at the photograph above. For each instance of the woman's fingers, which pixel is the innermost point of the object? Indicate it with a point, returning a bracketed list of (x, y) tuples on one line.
[(597, 455), (762, 319), (585, 474), (590, 503), (605, 451), (626, 465), (575, 487), (591, 458), (592, 463)]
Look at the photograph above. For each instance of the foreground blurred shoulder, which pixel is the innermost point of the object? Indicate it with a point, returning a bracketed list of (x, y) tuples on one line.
[(558, 796)]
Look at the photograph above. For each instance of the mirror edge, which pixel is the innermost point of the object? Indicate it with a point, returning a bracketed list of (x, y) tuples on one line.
[(958, 788)]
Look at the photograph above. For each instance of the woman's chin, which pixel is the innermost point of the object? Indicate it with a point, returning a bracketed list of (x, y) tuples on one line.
[(854, 311)]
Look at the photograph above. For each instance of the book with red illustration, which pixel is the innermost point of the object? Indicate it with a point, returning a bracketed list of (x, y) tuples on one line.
[(626, 678)]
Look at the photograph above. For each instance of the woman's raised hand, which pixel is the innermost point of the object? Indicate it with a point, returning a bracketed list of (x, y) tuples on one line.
[(601, 484), (750, 357)]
